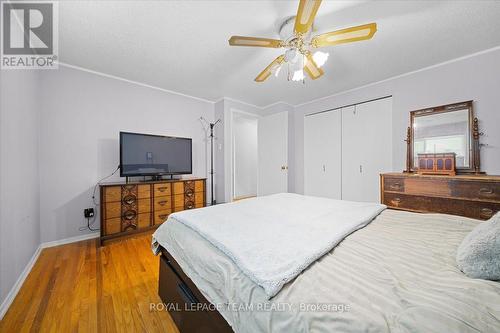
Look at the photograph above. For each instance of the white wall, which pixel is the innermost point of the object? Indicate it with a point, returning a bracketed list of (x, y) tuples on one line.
[(474, 78), (83, 114), (245, 155), (19, 182)]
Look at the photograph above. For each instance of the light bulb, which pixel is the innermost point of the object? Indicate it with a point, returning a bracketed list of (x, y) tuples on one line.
[(277, 71), (298, 75), (320, 58)]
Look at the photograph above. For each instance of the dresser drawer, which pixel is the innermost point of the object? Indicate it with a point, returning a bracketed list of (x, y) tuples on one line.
[(179, 188), (112, 226), (427, 186), (199, 198), (144, 191), (162, 203), (162, 189), (144, 220), (144, 205), (161, 216), (472, 209), (112, 193), (179, 200), (476, 190), (394, 184), (113, 209), (199, 186)]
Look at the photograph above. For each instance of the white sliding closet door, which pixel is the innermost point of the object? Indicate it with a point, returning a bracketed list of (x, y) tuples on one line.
[(366, 149), (322, 150)]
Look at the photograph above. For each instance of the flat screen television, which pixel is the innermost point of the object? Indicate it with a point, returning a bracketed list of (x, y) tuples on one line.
[(154, 155)]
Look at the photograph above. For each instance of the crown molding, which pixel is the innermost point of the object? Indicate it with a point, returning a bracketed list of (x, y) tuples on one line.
[(119, 78), (493, 49), (234, 100), (472, 55)]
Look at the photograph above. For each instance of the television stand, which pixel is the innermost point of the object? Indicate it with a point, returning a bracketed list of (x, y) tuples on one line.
[(137, 206)]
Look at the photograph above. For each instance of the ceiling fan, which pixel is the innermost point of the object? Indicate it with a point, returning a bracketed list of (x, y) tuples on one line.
[(299, 43)]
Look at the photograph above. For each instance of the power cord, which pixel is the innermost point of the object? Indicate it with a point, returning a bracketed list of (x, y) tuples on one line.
[(96, 204), (89, 225)]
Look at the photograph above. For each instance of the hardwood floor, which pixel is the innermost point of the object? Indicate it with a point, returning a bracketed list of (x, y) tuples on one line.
[(82, 288)]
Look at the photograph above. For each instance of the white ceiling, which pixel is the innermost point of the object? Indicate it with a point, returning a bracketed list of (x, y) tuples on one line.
[(182, 45)]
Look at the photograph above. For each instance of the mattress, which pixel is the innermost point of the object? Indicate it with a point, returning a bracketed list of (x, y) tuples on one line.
[(397, 274)]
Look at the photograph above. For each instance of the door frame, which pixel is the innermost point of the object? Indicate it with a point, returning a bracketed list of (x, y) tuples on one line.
[(232, 148)]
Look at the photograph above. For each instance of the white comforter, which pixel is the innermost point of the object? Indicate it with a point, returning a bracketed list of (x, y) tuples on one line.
[(274, 238)]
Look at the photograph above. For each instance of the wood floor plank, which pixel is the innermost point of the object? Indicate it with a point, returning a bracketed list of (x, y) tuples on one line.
[(81, 287)]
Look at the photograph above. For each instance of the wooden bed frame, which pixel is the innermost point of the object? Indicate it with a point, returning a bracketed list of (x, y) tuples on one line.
[(181, 296)]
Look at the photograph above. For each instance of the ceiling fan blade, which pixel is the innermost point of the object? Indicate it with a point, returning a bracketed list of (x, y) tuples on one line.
[(268, 70), (348, 35), (254, 41), (312, 69), (306, 14)]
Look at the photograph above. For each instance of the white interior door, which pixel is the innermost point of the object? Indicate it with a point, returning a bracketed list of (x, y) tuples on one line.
[(352, 151), (273, 154), (366, 149), (322, 152)]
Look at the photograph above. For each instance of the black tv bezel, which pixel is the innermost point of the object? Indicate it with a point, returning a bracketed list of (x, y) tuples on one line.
[(187, 172)]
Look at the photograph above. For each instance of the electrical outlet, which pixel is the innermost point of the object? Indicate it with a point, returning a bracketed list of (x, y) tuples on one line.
[(88, 212)]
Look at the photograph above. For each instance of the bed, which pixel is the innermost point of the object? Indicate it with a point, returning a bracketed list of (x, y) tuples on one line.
[(397, 274)]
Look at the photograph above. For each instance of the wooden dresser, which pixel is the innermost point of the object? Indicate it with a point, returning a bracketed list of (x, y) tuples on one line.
[(128, 208), (475, 196)]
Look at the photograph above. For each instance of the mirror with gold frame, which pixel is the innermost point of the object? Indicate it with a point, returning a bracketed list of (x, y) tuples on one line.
[(445, 129)]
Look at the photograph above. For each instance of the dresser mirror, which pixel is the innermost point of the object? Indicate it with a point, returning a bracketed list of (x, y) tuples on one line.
[(445, 129)]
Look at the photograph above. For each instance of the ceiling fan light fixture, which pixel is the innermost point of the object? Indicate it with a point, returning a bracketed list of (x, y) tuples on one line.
[(299, 41), (320, 58)]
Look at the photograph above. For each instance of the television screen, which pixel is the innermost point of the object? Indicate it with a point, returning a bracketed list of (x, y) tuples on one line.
[(153, 155)]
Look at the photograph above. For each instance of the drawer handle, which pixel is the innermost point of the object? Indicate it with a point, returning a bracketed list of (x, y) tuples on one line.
[(162, 216), (395, 186), (162, 203), (396, 201), (485, 190), (162, 189), (129, 215), (486, 212), (129, 199)]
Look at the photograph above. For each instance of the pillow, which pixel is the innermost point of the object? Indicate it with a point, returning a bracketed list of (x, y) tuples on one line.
[(478, 256)]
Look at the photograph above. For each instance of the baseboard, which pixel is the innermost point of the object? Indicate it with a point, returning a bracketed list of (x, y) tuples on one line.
[(70, 240), (19, 283)]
